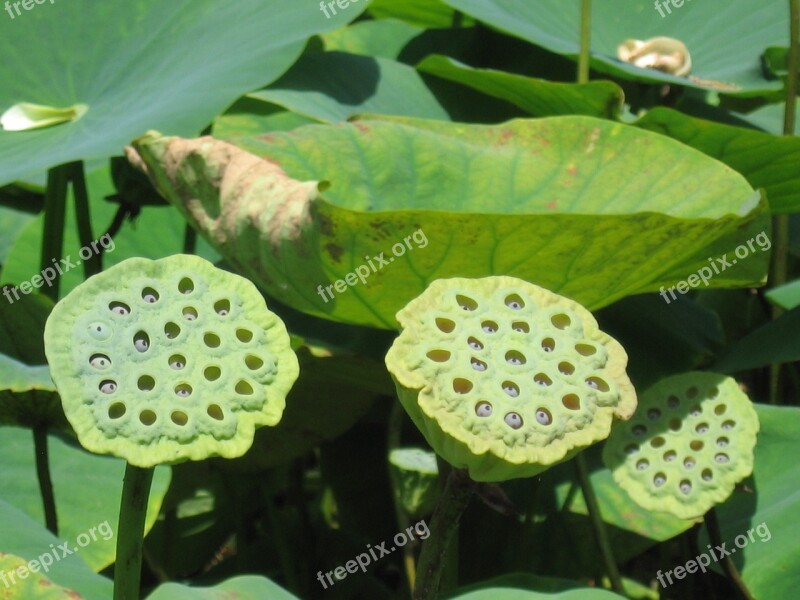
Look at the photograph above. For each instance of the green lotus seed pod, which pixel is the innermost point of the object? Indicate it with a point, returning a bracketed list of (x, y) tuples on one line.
[(505, 378), (168, 360), (689, 443), (416, 480)]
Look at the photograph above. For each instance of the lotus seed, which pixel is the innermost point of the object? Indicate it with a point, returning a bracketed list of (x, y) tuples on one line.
[(639, 430), (689, 463), (171, 330), (520, 327), (653, 414), (728, 425), (474, 344), (183, 390), (707, 475), (489, 327), (141, 341), (477, 364), (673, 402), (99, 331), (514, 302), (483, 409), (100, 361), (177, 362), (670, 455), (108, 387), (702, 428), (722, 442), (510, 389), (548, 345), (149, 295), (513, 420), (721, 458), (222, 308), (542, 380), (466, 303), (515, 358), (186, 286), (189, 313), (566, 368), (543, 417), (686, 487), (659, 480), (119, 308), (695, 412), (631, 449), (642, 464)]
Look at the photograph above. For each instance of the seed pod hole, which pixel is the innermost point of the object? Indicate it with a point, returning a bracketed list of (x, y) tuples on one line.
[(692, 393), (702, 428), (141, 341), (438, 355), (100, 361), (149, 295), (243, 388), (177, 361), (514, 302), (183, 390), (108, 386), (244, 335), (566, 368), (543, 416), (171, 330), (689, 462), (713, 393), (466, 303), (515, 358), (548, 344), (721, 458), (117, 410), (474, 344), (215, 412), (147, 417), (719, 409), (190, 313), (222, 307), (653, 414), (179, 418), (476, 364), (489, 327), (119, 308), (696, 411), (99, 331), (186, 286), (542, 380), (211, 340), (146, 383), (670, 455), (639, 430), (483, 409), (445, 325), (631, 449), (571, 401), (696, 445), (722, 442), (585, 349), (675, 424), (597, 383), (560, 321), (642, 464), (728, 425), (461, 385), (511, 388), (659, 479), (253, 362), (212, 373), (685, 487), (520, 327), (657, 441), (707, 475), (673, 402), (513, 420)]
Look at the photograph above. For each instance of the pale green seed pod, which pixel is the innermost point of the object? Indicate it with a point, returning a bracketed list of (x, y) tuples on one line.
[(505, 378), (689, 443), (168, 360)]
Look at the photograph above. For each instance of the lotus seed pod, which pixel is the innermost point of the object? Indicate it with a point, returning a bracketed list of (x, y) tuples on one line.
[(416, 480), (689, 443), (168, 360), (505, 378)]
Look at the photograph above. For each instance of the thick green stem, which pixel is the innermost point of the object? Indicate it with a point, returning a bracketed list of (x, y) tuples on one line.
[(393, 440), (586, 41), (596, 517), (780, 229), (454, 500), (55, 204), (130, 532), (712, 525), (189, 240), (43, 473), (93, 264)]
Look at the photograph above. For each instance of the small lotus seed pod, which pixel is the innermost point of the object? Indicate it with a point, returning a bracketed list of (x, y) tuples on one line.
[(416, 480), (140, 380), (689, 443), (505, 378)]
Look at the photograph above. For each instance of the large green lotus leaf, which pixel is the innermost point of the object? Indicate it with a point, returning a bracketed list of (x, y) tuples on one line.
[(384, 38), (333, 86), (766, 161), (11, 223), (725, 43), (139, 64), (28, 396), (770, 562), (21, 537), (35, 586), (249, 116), (521, 587), (22, 327), (770, 118), (87, 490), (537, 97), (590, 209), (244, 587), (423, 13)]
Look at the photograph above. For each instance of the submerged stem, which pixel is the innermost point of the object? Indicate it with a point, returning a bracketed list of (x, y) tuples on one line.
[(712, 525), (43, 474), (586, 41), (130, 532)]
